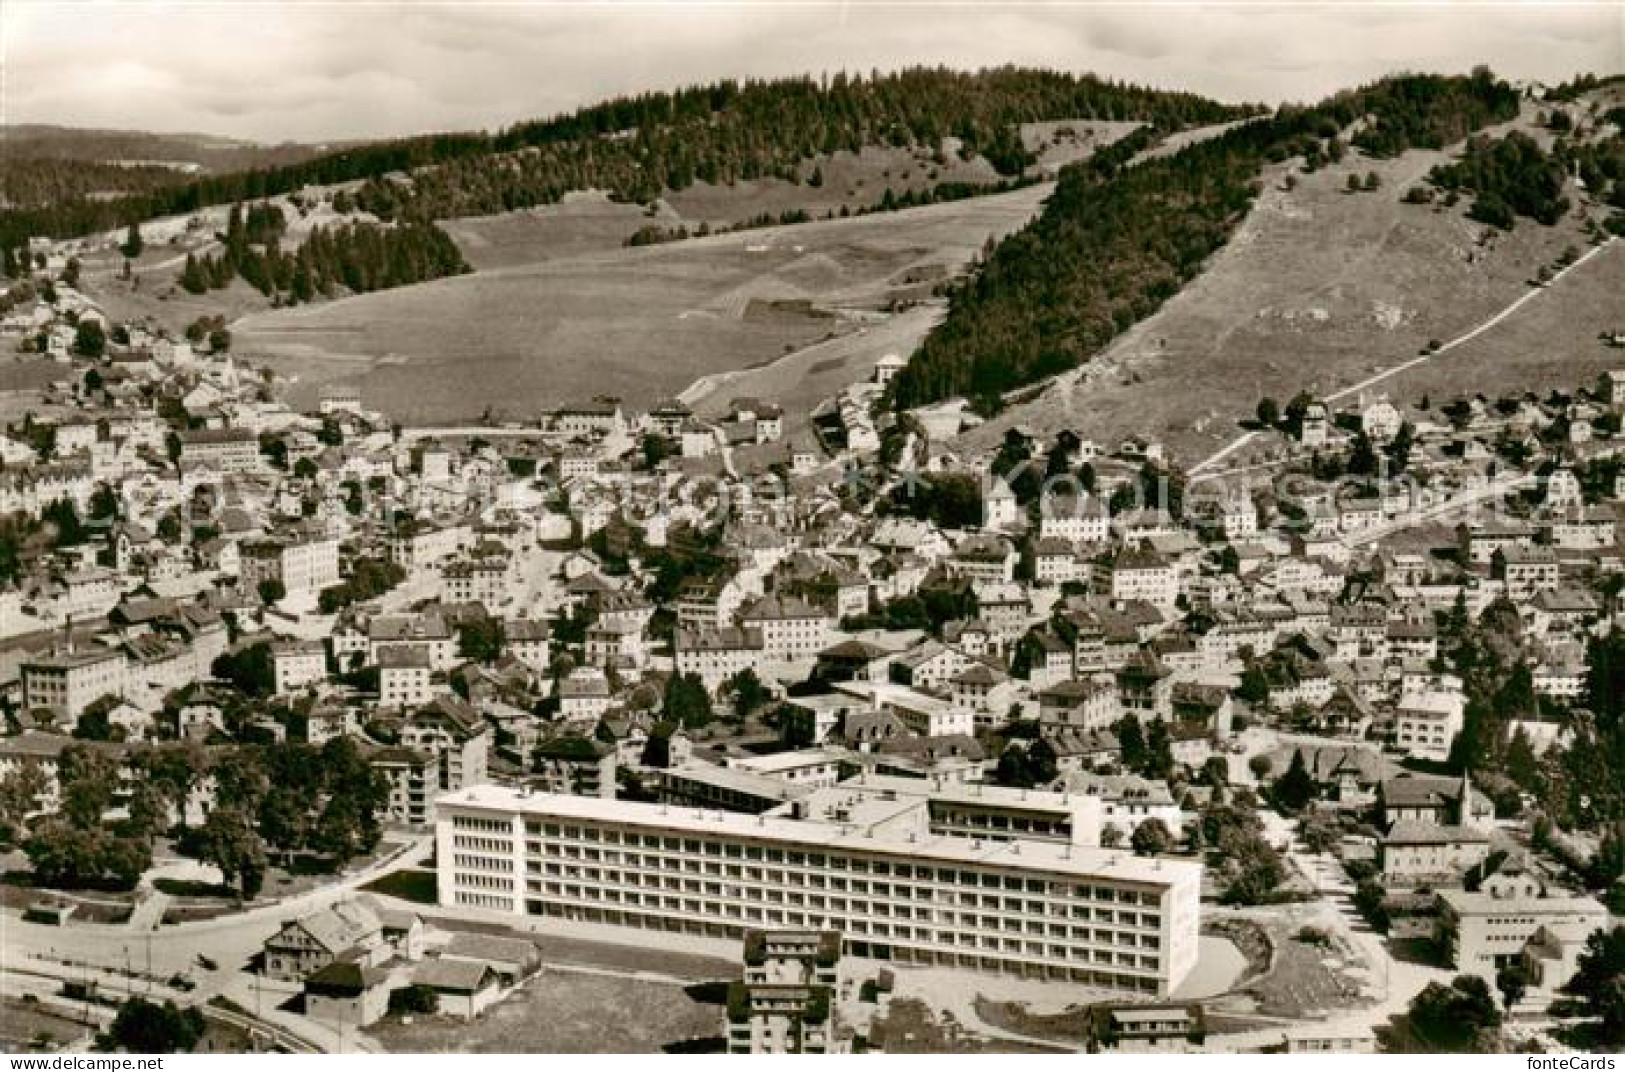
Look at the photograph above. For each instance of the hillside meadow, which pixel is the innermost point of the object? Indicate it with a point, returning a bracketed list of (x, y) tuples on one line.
[(642, 323), (1320, 288)]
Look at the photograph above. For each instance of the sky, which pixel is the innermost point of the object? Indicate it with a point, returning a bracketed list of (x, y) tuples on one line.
[(344, 69)]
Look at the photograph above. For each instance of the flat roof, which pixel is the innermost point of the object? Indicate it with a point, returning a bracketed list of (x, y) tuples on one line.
[(1465, 903), (1052, 857), (737, 779), (783, 761), (978, 793), (73, 660)]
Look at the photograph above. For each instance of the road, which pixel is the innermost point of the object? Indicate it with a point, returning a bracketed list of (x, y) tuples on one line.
[(1371, 381), (137, 960), (1390, 982)]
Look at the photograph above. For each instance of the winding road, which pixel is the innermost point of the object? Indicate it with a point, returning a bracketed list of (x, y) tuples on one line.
[(1371, 381)]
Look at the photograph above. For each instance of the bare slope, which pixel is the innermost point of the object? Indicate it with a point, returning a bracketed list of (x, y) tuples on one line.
[(1319, 289), (640, 323)]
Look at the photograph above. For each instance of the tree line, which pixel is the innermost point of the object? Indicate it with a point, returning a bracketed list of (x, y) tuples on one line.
[(637, 145), (357, 257)]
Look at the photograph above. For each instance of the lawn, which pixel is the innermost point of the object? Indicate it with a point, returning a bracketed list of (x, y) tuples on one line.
[(1305, 979), (910, 1026), (25, 373), (558, 949), (90, 906), (801, 380), (587, 222), (560, 1012)]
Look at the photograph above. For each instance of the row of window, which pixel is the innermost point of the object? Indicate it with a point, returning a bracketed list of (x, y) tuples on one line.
[(797, 858), (854, 926), (483, 863), (473, 822), (483, 844), (779, 891)]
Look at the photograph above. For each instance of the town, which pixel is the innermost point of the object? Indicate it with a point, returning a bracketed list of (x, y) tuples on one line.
[(321, 729)]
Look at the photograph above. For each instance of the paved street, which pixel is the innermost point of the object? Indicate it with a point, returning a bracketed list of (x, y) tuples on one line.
[(155, 954)]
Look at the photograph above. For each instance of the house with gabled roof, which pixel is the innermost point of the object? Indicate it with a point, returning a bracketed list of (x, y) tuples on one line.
[(304, 946)]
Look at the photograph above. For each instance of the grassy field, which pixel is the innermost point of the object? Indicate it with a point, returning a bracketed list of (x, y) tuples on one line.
[(1319, 289), (565, 1012), (584, 224), (640, 323), (800, 380)]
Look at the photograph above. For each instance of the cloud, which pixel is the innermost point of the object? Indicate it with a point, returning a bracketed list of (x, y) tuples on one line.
[(276, 71)]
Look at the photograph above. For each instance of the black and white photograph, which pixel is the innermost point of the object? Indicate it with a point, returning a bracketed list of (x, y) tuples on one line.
[(842, 527)]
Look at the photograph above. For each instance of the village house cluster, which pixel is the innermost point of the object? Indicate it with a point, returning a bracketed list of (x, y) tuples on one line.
[(754, 678)]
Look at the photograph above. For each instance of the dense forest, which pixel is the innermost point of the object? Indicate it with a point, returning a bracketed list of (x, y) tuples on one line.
[(45, 165), (1510, 176), (1117, 239), (35, 182), (359, 257), (638, 145)]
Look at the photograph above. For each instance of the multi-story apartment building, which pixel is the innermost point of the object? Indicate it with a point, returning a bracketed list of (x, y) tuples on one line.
[(295, 665), (1526, 571), (1144, 575), (527, 639), (878, 874), (88, 593), (301, 564), (787, 1001), (428, 631), (790, 629), (223, 450), (925, 715), (412, 780), (419, 544), (479, 580), (68, 682), (403, 676), (1085, 705), (717, 654), (1086, 522)]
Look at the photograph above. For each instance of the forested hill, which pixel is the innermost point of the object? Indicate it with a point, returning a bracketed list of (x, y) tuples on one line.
[(1116, 241), (44, 165), (637, 146)]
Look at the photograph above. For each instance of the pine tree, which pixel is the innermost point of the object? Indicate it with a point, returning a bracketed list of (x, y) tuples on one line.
[(194, 277), (133, 243)]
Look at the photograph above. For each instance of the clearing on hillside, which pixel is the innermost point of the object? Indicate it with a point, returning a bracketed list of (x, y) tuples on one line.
[(1321, 288)]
